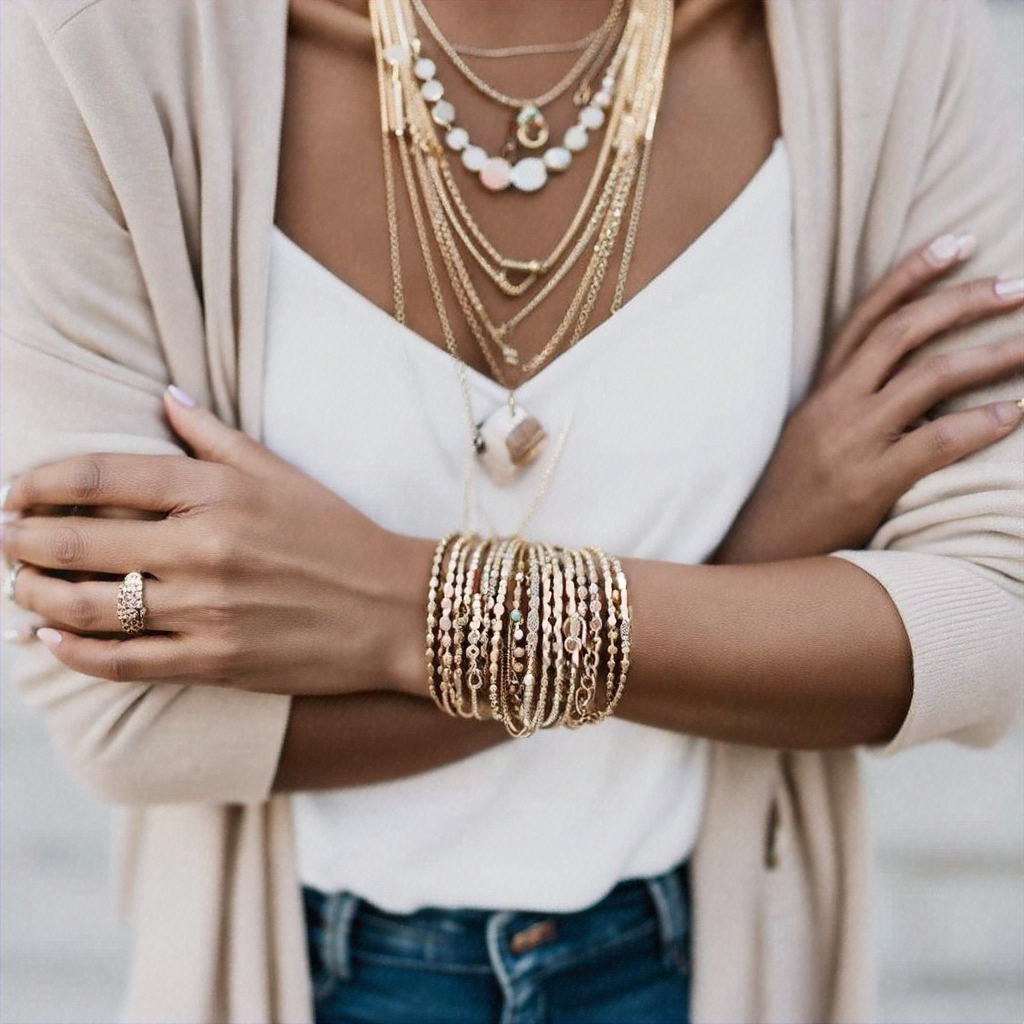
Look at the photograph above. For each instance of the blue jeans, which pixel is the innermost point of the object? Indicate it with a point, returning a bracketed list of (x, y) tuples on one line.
[(624, 960)]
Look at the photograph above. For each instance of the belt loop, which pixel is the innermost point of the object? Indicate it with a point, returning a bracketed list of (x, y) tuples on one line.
[(338, 916), (670, 894)]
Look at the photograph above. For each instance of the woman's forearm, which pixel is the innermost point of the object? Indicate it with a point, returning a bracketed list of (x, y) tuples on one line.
[(362, 738), (805, 653), (808, 653)]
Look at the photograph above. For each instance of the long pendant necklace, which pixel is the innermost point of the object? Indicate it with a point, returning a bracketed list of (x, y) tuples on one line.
[(511, 439)]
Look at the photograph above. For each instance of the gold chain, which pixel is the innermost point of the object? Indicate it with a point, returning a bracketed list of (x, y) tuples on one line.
[(561, 86), (525, 49)]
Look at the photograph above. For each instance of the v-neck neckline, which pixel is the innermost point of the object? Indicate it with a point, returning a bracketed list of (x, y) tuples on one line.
[(594, 338)]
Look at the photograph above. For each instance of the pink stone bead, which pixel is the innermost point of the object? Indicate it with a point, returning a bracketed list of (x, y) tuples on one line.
[(495, 174)]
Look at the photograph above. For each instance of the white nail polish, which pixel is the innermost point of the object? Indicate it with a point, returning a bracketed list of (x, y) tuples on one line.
[(18, 636), (4, 491), (1009, 287), (942, 250), (966, 246), (50, 637), (181, 397)]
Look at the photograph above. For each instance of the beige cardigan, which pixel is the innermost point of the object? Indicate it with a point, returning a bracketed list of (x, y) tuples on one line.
[(138, 167)]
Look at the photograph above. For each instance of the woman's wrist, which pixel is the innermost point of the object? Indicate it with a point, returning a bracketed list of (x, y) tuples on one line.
[(524, 633), (408, 573)]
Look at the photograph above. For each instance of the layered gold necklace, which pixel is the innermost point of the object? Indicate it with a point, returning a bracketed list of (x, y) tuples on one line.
[(511, 438)]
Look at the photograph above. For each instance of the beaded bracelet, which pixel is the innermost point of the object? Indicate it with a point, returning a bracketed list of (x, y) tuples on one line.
[(522, 632)]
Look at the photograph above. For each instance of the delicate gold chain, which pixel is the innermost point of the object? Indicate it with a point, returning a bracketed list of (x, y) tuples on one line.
[(561, 86), (631, 231), (638, 197), (525, 49), (392, 212)]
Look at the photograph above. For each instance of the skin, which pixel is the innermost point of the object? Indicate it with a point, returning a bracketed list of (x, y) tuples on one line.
[(781, 647)]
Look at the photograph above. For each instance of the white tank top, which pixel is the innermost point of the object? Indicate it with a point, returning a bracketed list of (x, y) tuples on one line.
[(676, 403)]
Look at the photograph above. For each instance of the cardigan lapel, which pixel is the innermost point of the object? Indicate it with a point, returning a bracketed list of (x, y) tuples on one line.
[(257, 165), (807, 119)]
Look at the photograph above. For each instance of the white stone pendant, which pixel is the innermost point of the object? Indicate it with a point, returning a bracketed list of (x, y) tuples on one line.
[(508, 441)]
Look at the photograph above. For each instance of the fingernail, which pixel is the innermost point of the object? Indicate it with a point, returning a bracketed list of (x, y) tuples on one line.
[(50, 637), (181, 397), (966, 245), (942, 250), (1009, 287), (4, 491), (1008, 413), (18, 636)]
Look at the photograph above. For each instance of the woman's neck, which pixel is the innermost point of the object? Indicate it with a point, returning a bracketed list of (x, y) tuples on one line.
[(513, 22)]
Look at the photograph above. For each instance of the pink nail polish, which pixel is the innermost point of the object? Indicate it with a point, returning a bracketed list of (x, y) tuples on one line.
[(181, 397), (942, 251), (50, 637), (1007, 413), (18, 635), (1009, 287), (966, 246)]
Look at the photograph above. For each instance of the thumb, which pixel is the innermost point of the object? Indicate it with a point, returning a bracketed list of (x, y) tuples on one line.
[(208, 437)]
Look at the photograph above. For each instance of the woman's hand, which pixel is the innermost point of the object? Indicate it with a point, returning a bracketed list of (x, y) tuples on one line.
[(858, 440), (257, 576)]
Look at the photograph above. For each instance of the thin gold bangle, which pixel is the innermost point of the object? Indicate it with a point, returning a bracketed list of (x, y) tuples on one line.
[(432, 653)]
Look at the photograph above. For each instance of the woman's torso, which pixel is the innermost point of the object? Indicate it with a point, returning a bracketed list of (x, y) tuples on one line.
[(665, 416), (685, 375)]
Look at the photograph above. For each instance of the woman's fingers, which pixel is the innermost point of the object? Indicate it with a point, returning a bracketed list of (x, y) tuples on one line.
[(926, 382), (909, 276), (142, 659), (89, 545), (921, 320), (89, 606), (210, 438), (948, 439), (156, 483)]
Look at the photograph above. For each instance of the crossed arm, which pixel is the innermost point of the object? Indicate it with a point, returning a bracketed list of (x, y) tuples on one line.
[(788, 649)]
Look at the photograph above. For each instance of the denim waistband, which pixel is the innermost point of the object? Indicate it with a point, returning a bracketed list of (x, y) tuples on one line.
[(343, 925)]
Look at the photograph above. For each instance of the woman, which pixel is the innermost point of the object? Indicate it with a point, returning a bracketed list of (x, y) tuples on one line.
[(282, 645)]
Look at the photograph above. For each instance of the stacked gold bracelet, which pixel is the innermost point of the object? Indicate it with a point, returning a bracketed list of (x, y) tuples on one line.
[(522, 633)]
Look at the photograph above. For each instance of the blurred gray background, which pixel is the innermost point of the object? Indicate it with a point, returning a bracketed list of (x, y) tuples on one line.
[(948, 840)]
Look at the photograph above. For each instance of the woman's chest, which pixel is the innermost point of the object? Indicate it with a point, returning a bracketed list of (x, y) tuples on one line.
[(660, 422), (715, 127)]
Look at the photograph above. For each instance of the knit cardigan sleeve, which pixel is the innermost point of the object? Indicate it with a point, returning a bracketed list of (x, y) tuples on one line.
[(949, 552), (86, 354)]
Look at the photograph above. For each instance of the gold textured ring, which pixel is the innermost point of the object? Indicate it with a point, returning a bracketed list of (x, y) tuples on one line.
[(131, 610), (11, 579)]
